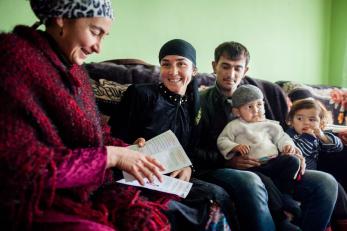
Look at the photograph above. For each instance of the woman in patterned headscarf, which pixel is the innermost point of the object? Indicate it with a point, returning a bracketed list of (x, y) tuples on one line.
[(54, 155)]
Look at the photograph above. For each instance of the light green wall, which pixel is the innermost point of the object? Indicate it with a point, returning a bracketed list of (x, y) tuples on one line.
[(338, 41), (287, 39)]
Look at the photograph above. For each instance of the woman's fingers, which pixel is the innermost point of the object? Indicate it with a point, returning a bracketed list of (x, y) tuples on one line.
[(156, 163), (140, 142), (153, 170), (147, 174), (183, 177), (139, 171), (137, 164), (148, 166), (138, 176), (174, 173), (182, 174), (185, 174)]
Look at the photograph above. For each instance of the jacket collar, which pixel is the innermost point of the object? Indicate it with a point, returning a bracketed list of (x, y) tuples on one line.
[(172, 97), (219, 96)]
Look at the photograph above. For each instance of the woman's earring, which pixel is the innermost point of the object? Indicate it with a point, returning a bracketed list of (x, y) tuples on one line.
[(61, 31)]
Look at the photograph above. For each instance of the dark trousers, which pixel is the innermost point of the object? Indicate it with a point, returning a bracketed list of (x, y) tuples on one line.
[(192, 212), (279, 173), (340, 210), (335, 164), (282, 170), (279, 202)]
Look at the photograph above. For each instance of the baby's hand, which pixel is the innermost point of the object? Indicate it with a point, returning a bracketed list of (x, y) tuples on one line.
[(317, 132), (242, 149), (288, 150), (309, 131)]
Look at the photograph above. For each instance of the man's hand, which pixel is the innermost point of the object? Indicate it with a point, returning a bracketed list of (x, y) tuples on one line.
[(302, 160), (182, 174), (242, 162), (242, 149)]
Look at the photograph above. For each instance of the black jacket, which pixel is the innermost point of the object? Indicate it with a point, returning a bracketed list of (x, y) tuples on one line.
[(146, 110)]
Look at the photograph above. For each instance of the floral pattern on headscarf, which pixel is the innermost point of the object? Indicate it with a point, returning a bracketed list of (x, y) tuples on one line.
[(45, 9)]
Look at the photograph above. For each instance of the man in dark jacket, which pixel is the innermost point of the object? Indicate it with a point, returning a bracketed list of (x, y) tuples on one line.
[(316, 191)]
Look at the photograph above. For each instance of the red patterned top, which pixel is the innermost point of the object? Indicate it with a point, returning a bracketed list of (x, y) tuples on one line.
[(52, 151)]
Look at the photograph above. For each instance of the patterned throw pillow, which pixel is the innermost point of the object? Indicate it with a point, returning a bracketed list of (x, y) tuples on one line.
[(333, 98), (107, 94), (108, 91)]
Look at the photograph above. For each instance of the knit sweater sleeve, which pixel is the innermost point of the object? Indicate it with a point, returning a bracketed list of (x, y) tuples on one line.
[(82, 167), (281, 138), (305, 142), (335, 145), (25, 155), (226, 140)]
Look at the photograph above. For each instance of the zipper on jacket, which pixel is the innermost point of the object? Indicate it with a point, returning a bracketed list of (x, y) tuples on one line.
[(177, 107)]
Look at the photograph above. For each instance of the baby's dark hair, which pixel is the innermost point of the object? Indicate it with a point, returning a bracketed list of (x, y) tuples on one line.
[(232, 50), (310, 103)]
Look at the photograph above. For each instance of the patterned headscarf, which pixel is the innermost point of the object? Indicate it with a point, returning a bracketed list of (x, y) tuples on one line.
[(45, 9)]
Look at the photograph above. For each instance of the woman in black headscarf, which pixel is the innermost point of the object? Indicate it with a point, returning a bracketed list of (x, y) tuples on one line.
[(146, 110)]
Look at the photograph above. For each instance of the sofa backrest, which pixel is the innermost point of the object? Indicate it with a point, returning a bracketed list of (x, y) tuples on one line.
[(111, 78)]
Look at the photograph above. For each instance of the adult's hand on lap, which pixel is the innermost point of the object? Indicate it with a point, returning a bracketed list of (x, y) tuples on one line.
[(242, 162), (182, 174)]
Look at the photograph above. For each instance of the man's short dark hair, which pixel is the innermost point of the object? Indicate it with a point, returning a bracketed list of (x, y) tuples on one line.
[(232, 50)]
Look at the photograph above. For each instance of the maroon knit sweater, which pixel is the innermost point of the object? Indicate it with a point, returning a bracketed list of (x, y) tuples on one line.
[(52, 153)]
